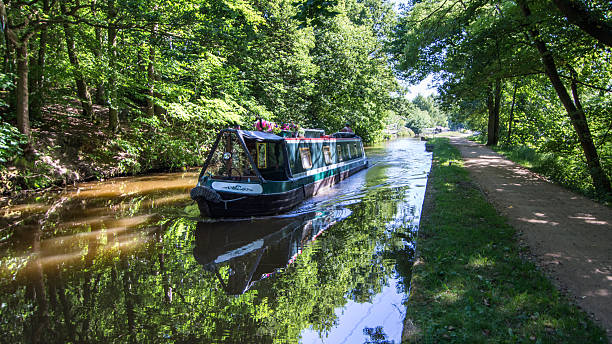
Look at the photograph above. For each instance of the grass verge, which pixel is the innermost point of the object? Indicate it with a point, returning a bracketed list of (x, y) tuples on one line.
[(470, 284)]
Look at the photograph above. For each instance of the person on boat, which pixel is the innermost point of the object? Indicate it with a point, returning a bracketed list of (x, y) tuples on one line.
[(347, 128)]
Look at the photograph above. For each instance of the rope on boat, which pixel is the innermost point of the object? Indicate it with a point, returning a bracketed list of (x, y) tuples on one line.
[(206, 193)]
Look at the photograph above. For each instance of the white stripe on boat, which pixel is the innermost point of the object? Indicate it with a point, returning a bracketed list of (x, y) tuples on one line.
[(330, 167)]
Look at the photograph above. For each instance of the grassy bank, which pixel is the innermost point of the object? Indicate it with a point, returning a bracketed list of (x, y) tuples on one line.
[(470, 284)]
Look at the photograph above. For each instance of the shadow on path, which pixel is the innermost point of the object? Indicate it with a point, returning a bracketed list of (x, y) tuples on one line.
[(569, 236)]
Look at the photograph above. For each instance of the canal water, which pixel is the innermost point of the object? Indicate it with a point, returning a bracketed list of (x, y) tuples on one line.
[(129, 260)]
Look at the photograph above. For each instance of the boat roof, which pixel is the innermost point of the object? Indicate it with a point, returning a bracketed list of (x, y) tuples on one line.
[(259, 136), (270, 137)]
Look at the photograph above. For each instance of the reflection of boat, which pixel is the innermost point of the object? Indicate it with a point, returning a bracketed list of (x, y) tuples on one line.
[(251, 173), (255, 249)]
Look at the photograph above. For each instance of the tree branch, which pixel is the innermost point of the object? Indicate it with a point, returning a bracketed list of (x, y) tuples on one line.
[(596, 26)]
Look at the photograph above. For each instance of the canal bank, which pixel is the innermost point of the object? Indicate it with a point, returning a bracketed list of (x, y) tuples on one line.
[(470, 282)]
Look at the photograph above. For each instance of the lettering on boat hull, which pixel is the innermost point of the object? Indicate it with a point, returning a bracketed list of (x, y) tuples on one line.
[(242, 188)]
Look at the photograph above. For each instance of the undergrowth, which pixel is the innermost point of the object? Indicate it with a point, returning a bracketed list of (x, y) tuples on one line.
[(470, 284)]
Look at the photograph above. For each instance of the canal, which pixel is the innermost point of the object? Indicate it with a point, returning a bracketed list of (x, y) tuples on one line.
[(129, 260)]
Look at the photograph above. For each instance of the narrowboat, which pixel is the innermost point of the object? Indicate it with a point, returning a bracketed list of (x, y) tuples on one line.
[(256, 173)]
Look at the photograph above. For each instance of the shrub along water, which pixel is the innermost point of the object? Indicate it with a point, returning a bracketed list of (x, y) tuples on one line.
[(470, 284)]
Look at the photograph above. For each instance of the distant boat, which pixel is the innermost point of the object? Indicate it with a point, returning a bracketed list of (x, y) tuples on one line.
[(254, 173)]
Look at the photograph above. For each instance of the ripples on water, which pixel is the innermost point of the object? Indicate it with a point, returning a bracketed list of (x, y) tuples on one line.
[(128, 260)]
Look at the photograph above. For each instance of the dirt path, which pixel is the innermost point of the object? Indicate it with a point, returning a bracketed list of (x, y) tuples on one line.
[(569, 236)]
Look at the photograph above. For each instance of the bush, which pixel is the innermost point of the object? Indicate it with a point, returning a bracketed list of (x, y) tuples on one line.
[(10, 143), (405, 132)]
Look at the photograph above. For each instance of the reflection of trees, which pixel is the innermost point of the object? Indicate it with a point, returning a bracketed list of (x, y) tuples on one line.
[(157, 292), (37, 291), (377, 335), (347, 263)]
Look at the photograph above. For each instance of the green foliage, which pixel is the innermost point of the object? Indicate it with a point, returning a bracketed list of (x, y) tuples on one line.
[(6, 84), (416, 115), (472, 285), (11, 142), (406, 132), (354, 80), (418, 120), (181, 69)]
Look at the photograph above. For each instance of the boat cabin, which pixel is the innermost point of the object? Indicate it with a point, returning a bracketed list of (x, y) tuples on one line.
[(251, 173), (240, 155)]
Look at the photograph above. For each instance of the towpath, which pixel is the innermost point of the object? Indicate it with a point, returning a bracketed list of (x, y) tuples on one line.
[(569, 236)]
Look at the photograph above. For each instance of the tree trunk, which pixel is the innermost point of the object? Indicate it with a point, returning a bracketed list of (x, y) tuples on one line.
[(113, 114), (100, 99), (38, 89), (151, 80), (151, 72), (8, 54), (23, 110), (493, 104), (511, 113), (39, 79), (574, 112), (81, 85)]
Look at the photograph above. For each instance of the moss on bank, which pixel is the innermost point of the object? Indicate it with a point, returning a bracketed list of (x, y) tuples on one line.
[(470, 284)]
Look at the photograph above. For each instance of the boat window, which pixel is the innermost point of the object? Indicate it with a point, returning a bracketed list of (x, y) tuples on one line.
[(230, 161), (294, 160), (347, 151), (269, 158), (354, 151), (261, 155), (339, 152), (327, 155), (306, 159)]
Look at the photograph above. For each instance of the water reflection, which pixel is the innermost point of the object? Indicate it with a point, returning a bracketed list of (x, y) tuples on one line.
[(131, 264), (255, 249)]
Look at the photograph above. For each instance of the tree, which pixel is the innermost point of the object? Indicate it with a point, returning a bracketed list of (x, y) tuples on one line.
[(574, 108), (81, 85), (468, 46), (354, 78), (21, 21), (476, 47)]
